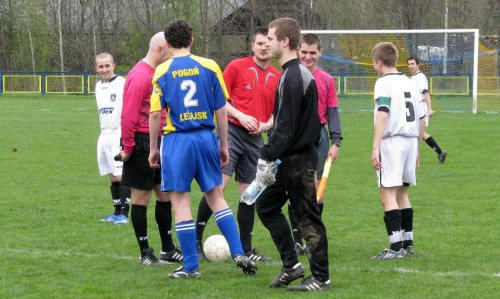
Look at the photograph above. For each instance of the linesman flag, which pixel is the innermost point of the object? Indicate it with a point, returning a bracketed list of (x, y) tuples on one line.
[(324, 179)]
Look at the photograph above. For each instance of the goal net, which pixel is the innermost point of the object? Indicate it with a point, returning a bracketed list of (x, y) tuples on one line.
[(460, 70)]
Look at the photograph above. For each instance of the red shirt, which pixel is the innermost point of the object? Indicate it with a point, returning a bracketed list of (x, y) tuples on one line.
[(251, 89), (135, 113), (327, 95)]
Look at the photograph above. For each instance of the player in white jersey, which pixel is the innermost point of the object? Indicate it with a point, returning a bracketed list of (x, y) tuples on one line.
[(109, 98), (398, 117), (419, 78)]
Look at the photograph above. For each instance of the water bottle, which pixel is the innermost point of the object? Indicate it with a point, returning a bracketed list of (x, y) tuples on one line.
[(256, 187)]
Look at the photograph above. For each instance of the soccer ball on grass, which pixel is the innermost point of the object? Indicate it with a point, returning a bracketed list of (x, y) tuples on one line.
[(216, 249)]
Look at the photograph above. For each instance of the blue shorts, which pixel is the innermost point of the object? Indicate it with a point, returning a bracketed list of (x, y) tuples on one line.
[(188, 156)]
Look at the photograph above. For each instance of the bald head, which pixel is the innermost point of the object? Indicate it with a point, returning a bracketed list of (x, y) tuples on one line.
[(158, 40), (158, 52)]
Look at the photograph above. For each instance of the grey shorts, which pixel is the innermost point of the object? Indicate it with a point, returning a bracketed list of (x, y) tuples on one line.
[(323, 148), (244, 152)]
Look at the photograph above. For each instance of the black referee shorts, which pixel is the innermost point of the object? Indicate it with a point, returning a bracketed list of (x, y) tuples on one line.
[(137, 173)]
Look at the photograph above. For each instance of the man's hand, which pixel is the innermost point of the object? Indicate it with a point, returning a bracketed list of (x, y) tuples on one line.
[(431, 113), (333, 153), (154, 158), (376, 159), (264, 173), (261, 129), (224, 156), (125, 157), (249, 122)]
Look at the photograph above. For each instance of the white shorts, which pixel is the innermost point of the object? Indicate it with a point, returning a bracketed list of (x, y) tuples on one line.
[(398, 156), (108, 146), (423, 105)]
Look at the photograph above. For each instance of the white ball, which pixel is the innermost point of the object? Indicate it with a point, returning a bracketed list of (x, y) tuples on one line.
[(216, 249)]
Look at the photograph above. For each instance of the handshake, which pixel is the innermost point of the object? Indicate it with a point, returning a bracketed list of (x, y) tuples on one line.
[(265, 173)]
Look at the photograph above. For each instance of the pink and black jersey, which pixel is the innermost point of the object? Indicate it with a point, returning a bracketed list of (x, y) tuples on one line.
[(327, 94), (136, 104)]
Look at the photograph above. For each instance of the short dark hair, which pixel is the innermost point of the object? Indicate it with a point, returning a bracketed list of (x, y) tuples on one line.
[(287, 27), (385, 52), (261, 31), (417, 61), (178, 33), (311, 39)]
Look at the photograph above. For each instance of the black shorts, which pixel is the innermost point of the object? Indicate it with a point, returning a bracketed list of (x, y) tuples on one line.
[(137, 173)]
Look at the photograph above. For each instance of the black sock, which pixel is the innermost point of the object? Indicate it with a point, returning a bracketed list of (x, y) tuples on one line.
[(297, 236), (125, 194), (392, 221), (163, 216), (204, 214), (433, 144), (246, 217), (140, 224), (407, 226), (115, 194)]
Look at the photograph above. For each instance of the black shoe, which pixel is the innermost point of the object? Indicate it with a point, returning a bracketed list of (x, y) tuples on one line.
[(174, 256), (442, 156), (311, 284), (288, 275), (149, 258), (256, 256), (199, 251), (245, 264), (181, 273)]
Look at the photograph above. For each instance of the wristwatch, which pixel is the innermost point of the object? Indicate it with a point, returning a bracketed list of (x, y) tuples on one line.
[(336, 143)]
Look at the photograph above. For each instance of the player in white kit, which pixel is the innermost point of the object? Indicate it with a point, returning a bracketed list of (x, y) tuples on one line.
[(423, 87), (109, 98), (398, 117)]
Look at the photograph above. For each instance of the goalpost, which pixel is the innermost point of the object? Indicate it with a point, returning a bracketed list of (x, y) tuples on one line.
[(448, 57)]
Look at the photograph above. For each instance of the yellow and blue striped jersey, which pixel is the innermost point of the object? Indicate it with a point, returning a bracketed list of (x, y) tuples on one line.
[(191, 89)]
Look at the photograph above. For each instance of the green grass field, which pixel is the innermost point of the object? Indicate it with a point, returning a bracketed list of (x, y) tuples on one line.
[(51, 244)]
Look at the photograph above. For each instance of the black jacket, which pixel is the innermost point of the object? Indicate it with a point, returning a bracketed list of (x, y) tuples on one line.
[(296, 120)]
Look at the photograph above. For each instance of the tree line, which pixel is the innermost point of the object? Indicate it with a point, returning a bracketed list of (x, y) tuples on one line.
[(65, 35)]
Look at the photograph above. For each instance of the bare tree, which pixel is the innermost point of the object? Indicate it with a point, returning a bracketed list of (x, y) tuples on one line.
[(61, 47)]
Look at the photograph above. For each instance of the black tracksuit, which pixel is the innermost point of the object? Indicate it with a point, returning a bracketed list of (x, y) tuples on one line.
[(293, 140)]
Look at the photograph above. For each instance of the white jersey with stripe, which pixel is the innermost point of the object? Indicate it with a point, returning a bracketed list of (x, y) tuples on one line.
[(421, 81), (396, 94), (109, 98)]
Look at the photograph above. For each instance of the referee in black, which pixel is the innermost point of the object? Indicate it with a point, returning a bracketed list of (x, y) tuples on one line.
[(293, 141)]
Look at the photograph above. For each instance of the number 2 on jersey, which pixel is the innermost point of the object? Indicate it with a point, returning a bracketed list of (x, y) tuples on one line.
[(190, 86)]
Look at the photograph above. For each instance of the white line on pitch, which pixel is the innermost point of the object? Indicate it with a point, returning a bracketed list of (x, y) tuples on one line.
[(90, 255), (66, 253), (411, 271)]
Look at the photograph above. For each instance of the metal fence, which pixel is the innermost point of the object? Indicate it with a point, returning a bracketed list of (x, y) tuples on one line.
[(50, 82), (346, 83)]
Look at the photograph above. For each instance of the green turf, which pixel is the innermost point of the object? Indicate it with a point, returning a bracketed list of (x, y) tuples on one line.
[(51, 244)]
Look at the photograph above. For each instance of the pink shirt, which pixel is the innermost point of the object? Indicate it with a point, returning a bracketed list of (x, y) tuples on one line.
[(327, 94), (136, 96)]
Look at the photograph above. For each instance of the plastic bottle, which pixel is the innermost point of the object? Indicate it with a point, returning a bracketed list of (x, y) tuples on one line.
[(256, 187)]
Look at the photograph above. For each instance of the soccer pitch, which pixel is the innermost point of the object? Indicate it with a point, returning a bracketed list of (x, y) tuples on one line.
[(52, 245)]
